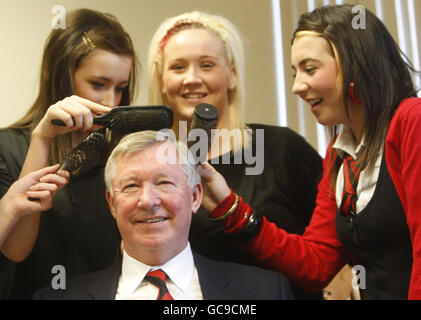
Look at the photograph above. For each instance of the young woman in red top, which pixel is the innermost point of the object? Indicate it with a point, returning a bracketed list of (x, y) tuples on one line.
[(359, 86)]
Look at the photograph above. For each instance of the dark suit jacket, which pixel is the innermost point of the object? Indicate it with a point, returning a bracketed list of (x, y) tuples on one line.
[(218, 281)]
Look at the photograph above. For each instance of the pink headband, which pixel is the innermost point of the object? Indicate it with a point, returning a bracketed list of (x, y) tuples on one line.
[(177, 27)]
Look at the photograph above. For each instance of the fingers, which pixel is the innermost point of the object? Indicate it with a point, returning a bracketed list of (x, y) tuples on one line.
[(40, 195), (38, 174), (46, 179), (206, 170), (76, 112), (214, 184), (73, 112), (206, 167), (63, 173), (20, 186), (42, 201), (43, 192), (51, 180), (95, 108), (41, 186), (34, 192), (59, 179)]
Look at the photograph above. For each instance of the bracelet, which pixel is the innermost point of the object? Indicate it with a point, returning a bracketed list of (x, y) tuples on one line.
[(240, 220), (249, 231), (230, 211)]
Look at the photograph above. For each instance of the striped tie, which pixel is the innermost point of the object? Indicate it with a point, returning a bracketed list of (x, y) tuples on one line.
[(349, 194), (159, 278)]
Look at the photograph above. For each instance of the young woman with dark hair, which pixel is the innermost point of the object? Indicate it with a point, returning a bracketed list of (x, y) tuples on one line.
[(87, 69), (368, 206)]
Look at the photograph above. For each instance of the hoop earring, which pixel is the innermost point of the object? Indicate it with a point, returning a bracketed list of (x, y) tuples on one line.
[(352, 93)]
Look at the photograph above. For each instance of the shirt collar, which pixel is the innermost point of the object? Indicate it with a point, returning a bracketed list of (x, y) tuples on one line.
[(179, 269), (345, 142)]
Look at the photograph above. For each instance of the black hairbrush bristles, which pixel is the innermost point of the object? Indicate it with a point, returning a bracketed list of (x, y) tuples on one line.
[(142, 118), (88, 154), (132, 119)]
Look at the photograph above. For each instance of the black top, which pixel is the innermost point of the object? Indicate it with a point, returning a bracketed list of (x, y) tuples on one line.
[(284, 192), (78, 233), (379, 238)]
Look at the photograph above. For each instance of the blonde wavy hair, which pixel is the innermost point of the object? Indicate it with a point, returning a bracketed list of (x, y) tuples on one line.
[(234, 51)]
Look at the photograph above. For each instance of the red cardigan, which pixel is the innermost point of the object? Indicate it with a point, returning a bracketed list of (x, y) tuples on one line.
[(313, 259)]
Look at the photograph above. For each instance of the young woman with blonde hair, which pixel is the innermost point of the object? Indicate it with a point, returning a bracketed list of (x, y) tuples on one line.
[(198, 57)]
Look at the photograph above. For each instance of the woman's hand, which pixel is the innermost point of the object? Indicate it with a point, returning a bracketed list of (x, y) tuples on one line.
[(40, 186), (214, 186), (76, 112), (16, 206)]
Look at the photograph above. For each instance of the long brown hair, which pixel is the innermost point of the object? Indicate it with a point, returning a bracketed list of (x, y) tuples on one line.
[(373, 60), (64, 49)]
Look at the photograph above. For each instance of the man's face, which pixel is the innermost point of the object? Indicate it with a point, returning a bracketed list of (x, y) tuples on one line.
[(153, 205)]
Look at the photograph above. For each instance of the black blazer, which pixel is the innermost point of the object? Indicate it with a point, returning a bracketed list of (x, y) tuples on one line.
[(218, 281)]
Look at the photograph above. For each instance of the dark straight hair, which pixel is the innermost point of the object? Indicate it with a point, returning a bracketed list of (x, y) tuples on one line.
[(371, 58)]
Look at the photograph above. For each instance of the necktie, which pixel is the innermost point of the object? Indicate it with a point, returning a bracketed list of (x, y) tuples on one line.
[(349, 194), (159, 278)]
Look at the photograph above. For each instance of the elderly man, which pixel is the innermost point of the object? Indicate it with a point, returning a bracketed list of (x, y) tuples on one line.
[(153, 190)]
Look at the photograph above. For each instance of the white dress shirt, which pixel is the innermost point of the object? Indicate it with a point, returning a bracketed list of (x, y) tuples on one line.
[(345, 142), (183, 282)]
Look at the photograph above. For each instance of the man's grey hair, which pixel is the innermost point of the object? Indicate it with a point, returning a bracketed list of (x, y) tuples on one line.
[(139, 141)]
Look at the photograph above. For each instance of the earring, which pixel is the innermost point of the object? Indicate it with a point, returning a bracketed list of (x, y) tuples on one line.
[(352, 93)]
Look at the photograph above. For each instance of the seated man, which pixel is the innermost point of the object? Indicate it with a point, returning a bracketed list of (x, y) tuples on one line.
[(152, 191)]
